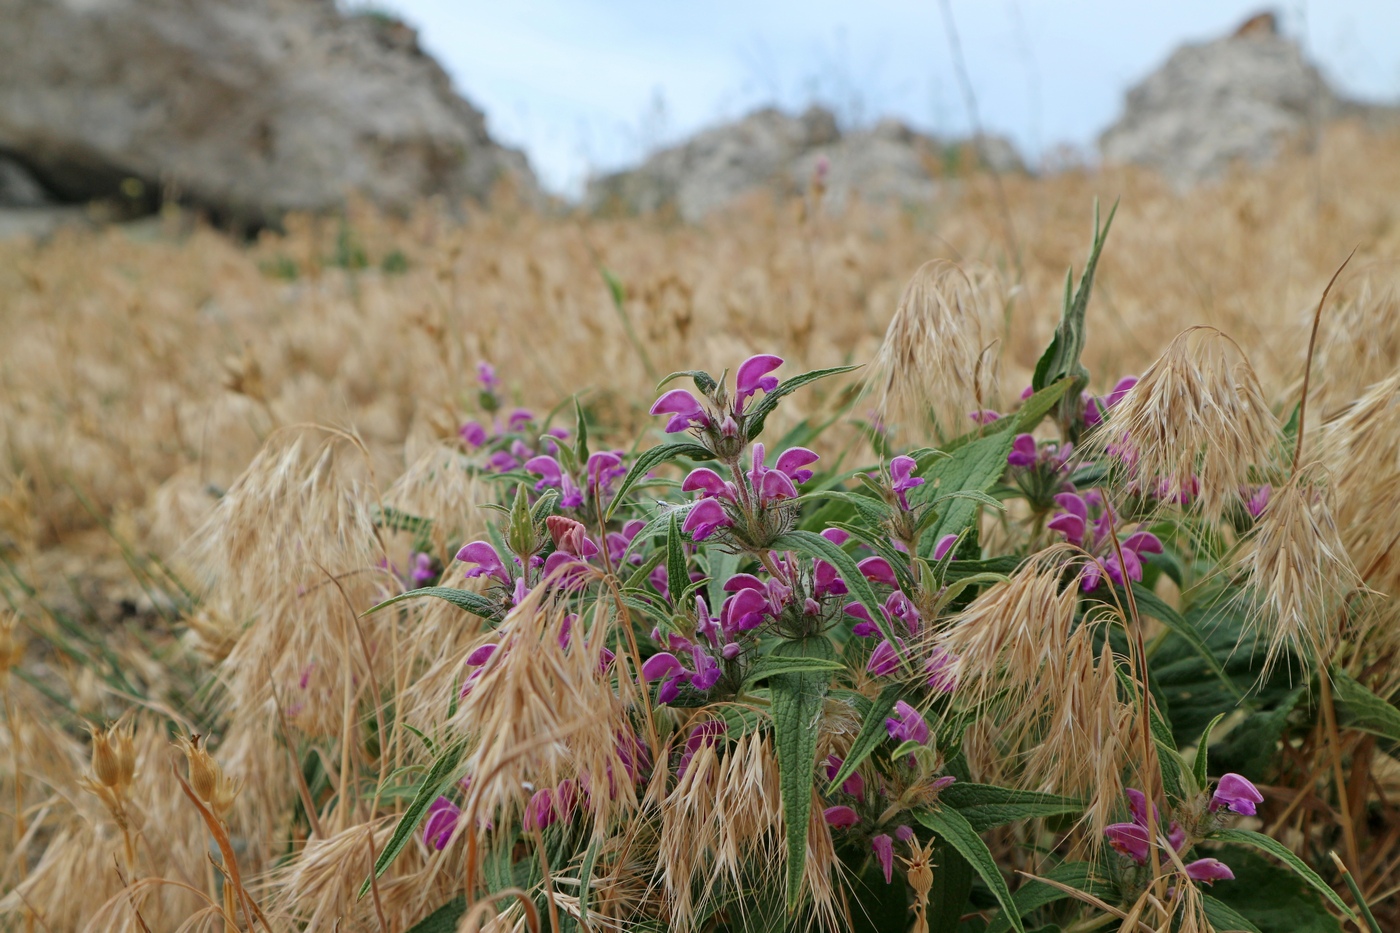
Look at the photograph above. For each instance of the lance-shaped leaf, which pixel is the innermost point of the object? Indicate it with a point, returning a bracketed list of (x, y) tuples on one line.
[(650, 459), (986, 806), (440, 776), (677, 575), (1285, 855), (1362, 709), (953, 828), (1200, 768), (872, 733), (753, 421), (796, 710), (1061, 358), (474, 603)]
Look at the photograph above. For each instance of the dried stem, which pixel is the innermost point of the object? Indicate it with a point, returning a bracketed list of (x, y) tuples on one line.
[(1307, 367)]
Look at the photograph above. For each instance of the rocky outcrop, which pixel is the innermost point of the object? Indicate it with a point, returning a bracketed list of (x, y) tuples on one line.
[(772, 151), (1242, 97), (247, 107)]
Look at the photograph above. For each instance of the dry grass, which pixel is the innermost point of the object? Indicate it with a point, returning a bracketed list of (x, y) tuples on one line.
[(155, 394)]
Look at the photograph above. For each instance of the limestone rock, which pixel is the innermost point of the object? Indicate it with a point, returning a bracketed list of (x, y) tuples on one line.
[(769, 150), (1244, 96), (247, 107)]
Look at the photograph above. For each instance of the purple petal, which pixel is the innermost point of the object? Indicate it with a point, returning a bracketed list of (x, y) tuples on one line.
[(707, 481), (883, 846), (944, 544), (1120, 390), (661, 665), (1069, 525), (753, 375), (487, 560), (837, 536), (884, 660), (878, 570), (1023, 452), (481, 655), (1130, 839), (793, 459), (1074, 504), (1209, 870), (1236, 793), (840, 817)]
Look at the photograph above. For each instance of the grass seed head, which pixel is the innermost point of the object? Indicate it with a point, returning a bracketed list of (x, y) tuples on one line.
[(938, 358), (1194, 425)]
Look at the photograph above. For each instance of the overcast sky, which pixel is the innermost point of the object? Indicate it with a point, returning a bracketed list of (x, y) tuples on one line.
[(590, 85)]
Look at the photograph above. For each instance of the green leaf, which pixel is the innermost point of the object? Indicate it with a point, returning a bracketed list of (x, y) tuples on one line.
[(872, 733), (520, 535), (1225, 918), (1268, 897), (1036, 894), (444, 919), (1151, 604), (1061, 358), (973, 467), (439, 777), (1200, 767), (753, 421), (1362, 709), (720, 567), (677, 575), (952, 827), (986, 806), (1022, 421), (772, 666), (474, 603), (650, 459), (1281, 852), (585, 880), (580, 433), (797, 705), (952, 885)]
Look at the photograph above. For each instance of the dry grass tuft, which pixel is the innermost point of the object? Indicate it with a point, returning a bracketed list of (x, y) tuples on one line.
[(1195, 425)]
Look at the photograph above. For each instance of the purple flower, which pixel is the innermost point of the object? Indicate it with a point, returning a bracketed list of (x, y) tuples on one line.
[(488, 562), (705, 734), (441, 823), (883, 847), (1119, 390), (985, 416), (684, 409), (1023, 451), (501, 461), (943, 546), (486, 375), (708, 483), (900, 469), (704, 518), (884, 660), (540, 812), (1236, 793), (1130, 839), (520, 419), (423, 572), (907, 725), (771, 485), (752, 376), (904, 833), (878, 570), (552, 476), (618, 542), (840, 817), (473, 433), (793, 459), (1209, 870), (482, 654), (1259, 501), (941, 668), (853, 785), (603, 468)]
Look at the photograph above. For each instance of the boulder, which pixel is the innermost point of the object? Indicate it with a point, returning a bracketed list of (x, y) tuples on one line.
[(771, 151), (249, 108), (1241, 97), (18, 188)]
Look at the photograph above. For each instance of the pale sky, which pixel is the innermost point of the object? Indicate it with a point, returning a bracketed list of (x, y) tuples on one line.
[(585, 86)]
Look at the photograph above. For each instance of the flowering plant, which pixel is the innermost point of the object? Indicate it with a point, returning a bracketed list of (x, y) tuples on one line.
[(779, 694)]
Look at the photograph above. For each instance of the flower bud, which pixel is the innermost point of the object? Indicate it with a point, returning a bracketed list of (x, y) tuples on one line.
[(105, 764), (204, 771), (10, 646)]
